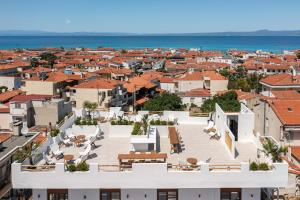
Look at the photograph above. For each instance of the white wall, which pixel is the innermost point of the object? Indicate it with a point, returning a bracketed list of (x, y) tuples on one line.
[(139, 194), (78, 194), (151, 194), (250, 193), (5, 121), (150, 175), (245, 124), (120, 130), (204, 193)]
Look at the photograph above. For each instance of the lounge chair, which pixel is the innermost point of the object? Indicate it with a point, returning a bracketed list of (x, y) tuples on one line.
[(47, 160), (81, 159), (66, 142), (55, 151), (209, 126), (90, 141), (69, 134), (214, 135), (86, 152)]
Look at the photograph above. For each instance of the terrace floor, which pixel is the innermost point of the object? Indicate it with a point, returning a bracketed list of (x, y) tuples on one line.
[(196, 144)]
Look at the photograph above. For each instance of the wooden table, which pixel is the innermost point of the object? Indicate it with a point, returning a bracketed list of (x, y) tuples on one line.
[(68, 157), (80, 137), (173, 135), (144, 156), (192, 161)]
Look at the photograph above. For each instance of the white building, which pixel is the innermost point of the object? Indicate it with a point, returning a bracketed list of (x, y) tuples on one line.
[(205, 167)]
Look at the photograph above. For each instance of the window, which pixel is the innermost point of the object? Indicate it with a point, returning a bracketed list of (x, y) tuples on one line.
[(231, 194), (192, 99), (57, 194), (17, 105), (167, 194), (110, 194)]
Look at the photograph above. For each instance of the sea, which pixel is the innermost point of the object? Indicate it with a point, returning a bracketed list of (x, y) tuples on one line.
[(275, 44)]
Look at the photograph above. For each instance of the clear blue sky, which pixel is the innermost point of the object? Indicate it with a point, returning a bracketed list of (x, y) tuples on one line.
[(149, 16)]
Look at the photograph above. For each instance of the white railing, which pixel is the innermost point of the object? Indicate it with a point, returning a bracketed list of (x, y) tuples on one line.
[(149, 175)]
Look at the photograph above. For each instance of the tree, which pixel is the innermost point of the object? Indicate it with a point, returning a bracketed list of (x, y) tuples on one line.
[(164, 101), (274, 150), (145, 123), (49, 57), (224, 72), (34, 62), (90, 107), (227, 101), (26, 151)]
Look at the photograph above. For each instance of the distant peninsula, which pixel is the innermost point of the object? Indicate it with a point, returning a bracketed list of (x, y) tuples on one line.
[(230, 33)]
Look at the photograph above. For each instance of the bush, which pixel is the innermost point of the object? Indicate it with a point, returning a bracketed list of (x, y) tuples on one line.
[(71, 168), (78, 121), (163, 123), (170, 123), (136, 129), (253, 166), (94, 122), (263, 166), (89, 122), (121, 122), (83, 122), (83, 166), (54, 133)]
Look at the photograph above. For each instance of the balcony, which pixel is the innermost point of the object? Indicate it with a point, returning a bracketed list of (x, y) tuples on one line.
[(149, 175), (18, 111)]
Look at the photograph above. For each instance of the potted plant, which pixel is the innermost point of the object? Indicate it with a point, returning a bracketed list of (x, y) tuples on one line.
[(274, 150), (26, 151)]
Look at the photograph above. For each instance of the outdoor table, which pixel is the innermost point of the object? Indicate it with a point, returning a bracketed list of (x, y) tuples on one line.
[(192, 161), (68, 158)]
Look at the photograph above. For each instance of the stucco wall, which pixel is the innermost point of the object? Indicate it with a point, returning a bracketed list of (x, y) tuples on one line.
[(39, 87), (151, 194), (218, 85), (91, 95), (5, 120), (184, 86)]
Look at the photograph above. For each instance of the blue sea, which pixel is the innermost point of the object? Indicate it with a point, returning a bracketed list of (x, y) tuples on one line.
[(274, 44)]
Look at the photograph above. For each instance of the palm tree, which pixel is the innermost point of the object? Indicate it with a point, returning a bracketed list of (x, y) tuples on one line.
[(274, 150), (26, 151), (145, 123), (90, 107)]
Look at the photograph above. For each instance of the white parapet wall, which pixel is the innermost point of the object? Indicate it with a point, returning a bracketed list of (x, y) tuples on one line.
[(150, 175)]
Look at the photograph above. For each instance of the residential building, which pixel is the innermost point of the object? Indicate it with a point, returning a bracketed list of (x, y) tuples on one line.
[(11, 82), (280, 82), (30, 110), (106, 93), (206, 79), (195, 97), (205, 168)]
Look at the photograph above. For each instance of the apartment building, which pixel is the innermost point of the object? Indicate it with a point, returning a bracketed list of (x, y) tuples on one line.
[(106, 93), (50, 83), (279, 82), (207, 79), (186, 162), (278, 116), (35, 109)]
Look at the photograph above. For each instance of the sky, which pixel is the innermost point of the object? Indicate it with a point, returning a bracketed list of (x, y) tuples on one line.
[(149, 16)]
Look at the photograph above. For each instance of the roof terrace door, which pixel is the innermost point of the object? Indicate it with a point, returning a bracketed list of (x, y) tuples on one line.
[(231, 194), (110, 194), (57, 194), (167, 194)]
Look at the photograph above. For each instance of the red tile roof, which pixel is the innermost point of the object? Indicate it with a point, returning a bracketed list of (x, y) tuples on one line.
[(282, 80), (287, 111), (99, 83), (6, 96), (25, 98), (199, 92)]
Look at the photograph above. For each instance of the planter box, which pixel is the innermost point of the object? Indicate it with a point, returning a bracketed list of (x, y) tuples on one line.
[(120, 130)]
